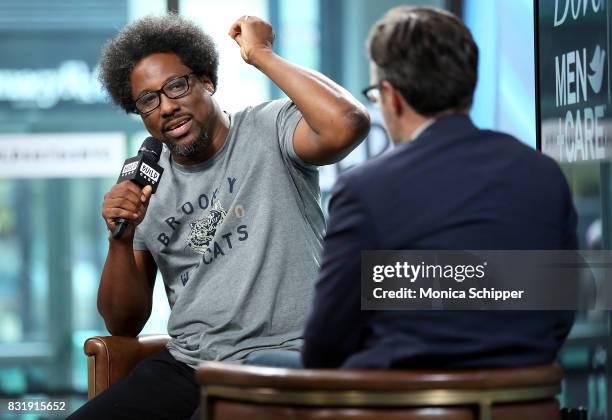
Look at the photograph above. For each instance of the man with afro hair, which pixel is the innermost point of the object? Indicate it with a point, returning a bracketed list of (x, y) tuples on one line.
[(235, 227)]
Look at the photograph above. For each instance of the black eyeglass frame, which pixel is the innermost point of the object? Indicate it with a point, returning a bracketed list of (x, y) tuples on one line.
[(159, 91)]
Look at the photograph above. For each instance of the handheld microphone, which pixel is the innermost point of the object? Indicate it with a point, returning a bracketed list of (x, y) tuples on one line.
[(142, 170)]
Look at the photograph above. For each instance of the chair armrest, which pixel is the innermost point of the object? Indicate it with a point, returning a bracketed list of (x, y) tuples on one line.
[(380, 380), (111, 358), (230, 391)]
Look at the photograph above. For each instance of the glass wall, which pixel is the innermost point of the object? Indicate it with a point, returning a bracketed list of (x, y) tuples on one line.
[(584, 356), (52, 238), (62, 144)]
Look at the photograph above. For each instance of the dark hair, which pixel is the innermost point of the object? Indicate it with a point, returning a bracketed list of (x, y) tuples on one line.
[(149, 35), (428, 55)]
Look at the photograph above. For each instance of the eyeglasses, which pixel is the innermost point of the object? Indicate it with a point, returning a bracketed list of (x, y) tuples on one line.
[(372, 93), (174, 88)]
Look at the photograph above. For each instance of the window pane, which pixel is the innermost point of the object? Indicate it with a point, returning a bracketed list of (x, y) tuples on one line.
[(52, 238), (240, 85)]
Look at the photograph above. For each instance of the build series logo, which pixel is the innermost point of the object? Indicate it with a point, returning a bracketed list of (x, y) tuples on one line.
[(579, 76)]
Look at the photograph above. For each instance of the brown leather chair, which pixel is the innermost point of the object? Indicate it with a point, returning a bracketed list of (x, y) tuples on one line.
[(113, 357), (231, 391)]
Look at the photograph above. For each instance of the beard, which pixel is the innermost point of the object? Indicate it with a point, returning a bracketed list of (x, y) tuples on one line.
[(190, 149)]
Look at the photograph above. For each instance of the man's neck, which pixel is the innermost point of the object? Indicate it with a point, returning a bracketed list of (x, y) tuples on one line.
[(424, 125), (219, 136), (418, 123), (412, 125)]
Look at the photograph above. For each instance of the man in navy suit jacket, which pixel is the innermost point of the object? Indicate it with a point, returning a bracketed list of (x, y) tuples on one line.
[(447, 185)]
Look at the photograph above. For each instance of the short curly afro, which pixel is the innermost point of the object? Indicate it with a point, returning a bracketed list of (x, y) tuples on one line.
[(149, 35)]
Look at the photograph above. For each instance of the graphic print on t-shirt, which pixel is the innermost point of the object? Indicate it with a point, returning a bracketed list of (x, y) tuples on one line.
[(203, 230)]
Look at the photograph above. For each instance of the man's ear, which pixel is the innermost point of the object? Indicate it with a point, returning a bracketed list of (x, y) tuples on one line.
[(208, 85), (395, 101)]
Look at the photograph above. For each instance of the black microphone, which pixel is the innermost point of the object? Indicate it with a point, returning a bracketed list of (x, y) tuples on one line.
[(142, 170)]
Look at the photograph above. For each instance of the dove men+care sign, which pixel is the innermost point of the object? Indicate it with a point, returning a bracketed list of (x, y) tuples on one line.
[(573, 79)]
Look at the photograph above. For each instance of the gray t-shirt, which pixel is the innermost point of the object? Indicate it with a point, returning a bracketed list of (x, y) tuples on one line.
[(237, 240)]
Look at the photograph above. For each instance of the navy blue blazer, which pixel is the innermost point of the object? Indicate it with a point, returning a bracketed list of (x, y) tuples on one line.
[(454, 187)]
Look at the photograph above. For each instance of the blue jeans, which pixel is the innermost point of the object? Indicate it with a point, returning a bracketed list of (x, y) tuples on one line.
[(275, 358)]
